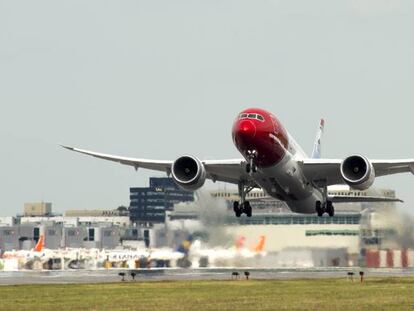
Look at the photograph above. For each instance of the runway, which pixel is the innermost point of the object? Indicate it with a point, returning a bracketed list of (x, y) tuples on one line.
[(109, 276)]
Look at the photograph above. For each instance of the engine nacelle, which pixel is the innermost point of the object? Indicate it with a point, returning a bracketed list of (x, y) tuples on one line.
[(189, 173), (358, 172)]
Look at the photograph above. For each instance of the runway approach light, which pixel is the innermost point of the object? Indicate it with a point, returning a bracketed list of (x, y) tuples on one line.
[(361, 274), (350, 276), (122, 274)]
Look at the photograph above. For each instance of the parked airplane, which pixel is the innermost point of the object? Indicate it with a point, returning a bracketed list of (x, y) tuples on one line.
[(36, 252), (222, 255), (273, 161)]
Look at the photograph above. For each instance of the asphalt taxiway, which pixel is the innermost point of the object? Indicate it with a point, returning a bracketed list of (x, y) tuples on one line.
[(108, 276)]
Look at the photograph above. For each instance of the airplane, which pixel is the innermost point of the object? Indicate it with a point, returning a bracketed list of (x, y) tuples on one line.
[(36, 252), (41, 255), (222, 255), (274, 161), (149, 255)]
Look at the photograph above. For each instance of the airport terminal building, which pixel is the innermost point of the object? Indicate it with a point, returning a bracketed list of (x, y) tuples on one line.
[(148, 205)]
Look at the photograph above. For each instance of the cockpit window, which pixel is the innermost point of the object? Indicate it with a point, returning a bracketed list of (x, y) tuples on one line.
[(251, 116), (259, 117)]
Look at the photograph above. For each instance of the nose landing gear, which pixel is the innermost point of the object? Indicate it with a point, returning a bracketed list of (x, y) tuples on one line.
[(327, 208), (250, 166)]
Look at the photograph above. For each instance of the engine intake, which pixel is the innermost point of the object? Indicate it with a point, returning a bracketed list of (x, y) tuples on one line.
[(189, 173), (358, 172)]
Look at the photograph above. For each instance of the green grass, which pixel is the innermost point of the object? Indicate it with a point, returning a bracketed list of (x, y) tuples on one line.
[(315, 294)]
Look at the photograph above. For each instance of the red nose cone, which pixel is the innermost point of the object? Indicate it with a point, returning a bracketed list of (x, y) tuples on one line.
[(246, 129)]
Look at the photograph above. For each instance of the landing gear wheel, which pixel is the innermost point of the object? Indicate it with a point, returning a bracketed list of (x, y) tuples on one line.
[(319, 209), (247, 209), (251, 168), (244, 207), (237, 209), (330, 209)]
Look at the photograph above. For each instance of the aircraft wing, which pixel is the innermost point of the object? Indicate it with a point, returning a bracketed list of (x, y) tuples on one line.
[(361, 199), (329, 170), (155, 165), (231, 171)]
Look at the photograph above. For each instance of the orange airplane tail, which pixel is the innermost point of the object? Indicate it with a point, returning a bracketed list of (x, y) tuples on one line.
[(260, 246), (40, 244)]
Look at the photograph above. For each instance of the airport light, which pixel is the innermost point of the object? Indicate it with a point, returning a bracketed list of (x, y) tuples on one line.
[(122, 274)]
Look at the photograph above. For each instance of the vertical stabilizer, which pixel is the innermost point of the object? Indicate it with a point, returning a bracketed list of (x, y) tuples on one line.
[(40, 244), (317, 149), (240, 242), (260, 246), (185, 245)]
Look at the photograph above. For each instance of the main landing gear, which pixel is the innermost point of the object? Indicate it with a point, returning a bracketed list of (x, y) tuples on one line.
[(239, 209), (243, 207), (327, 208)]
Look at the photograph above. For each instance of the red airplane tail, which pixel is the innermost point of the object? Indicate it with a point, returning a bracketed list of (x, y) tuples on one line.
[(40, 244), (240, 242)]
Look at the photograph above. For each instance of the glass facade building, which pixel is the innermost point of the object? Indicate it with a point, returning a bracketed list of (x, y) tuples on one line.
[(148, 205)]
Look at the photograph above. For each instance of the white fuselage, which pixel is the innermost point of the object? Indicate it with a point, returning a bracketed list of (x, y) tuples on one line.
[(286, 181)]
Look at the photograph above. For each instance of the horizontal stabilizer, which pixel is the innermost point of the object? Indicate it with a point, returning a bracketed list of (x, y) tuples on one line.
[(361, 199)]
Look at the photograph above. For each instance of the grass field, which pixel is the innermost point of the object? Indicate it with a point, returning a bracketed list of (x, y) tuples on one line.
[(315, 294)]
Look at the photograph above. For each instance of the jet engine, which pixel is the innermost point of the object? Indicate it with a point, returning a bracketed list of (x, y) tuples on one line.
[(189, 173), (358, 172)]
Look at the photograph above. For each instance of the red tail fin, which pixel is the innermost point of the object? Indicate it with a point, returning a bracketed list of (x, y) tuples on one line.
[(240, 242), (40, 244)]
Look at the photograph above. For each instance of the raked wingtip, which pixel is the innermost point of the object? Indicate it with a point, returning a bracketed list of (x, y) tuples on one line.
[(66, 147)]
